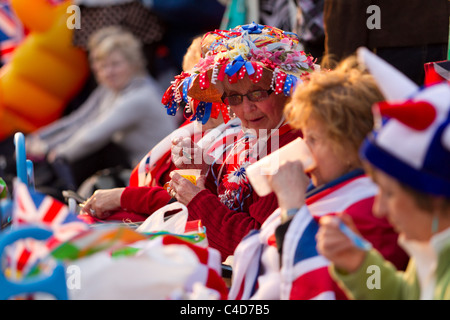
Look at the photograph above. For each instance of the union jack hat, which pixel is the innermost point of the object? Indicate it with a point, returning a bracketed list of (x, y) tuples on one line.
[(265, 54), (411, 140)]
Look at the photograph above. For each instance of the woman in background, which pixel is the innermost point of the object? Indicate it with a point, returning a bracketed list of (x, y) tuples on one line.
[(116, 125)]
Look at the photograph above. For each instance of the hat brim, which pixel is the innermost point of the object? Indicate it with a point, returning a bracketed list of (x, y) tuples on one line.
[(419, 180)]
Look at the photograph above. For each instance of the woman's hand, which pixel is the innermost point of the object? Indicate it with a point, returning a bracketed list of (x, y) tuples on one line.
[(186, 154), (51, 156), (289, 184), (184, 190), (103, 202), (334, 245)]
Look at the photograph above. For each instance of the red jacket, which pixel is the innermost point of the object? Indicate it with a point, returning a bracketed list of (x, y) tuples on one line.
[(225, 228), (138, 202)]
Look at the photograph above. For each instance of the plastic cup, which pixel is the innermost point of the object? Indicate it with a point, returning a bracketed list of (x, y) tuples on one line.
[(257, 172), (191, 174)]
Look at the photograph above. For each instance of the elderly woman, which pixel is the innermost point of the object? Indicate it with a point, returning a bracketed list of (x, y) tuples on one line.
[(333, 110), (409, 158), (249, 70), (146, 191), (119, 121)]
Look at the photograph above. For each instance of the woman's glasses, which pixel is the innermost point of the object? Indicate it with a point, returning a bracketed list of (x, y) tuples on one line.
[(254, 96)]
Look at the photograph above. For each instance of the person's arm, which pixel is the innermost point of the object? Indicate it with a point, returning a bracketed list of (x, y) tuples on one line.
[(103, 202), (378, 231), (48, 137), (225, 227), (377, 279), (95, 134), (141, 200), (295, 241), (364, 274), (144, 200), (289, 184), (57, 131)]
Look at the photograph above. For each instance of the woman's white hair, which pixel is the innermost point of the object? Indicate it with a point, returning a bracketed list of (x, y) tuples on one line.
[(115, 38)]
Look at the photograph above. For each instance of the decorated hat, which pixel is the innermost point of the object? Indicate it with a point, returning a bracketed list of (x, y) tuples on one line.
[(411, 140), (267, 55)]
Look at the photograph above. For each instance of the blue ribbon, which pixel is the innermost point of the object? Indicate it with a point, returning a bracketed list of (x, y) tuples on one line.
[(203, 112), (186, 85), (289, 83), (292, 34), (253, 27), (198, 115), (171, 109), (208, 108), (236, 65)]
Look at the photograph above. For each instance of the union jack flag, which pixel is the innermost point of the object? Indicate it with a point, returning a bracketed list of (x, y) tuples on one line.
[(303, 274), (299, 272), (208, 272), (304, 271), (33, 208), (11, 31)]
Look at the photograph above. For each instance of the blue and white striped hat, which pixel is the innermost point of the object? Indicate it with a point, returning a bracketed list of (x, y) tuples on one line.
[(411, 141)]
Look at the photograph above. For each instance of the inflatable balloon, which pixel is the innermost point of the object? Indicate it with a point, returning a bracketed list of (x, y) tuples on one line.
[(45, 71)]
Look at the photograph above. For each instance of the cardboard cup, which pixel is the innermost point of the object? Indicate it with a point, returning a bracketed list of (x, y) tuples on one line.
[(257, 172)]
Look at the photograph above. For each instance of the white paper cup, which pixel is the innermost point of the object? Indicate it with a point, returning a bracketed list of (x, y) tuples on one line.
[(257, 172)]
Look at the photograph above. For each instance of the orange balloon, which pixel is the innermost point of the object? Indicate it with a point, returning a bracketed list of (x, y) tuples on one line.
[(35, 15), (45, 71)]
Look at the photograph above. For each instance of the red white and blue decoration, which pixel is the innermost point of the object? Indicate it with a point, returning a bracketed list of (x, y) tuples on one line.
[(411, 141)]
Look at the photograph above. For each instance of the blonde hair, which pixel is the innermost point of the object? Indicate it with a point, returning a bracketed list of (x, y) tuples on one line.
[(114, 38), (193, 54), (341, 98)]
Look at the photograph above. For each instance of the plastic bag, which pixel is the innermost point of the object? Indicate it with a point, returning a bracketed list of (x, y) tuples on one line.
[(176, 224), (155, 272)]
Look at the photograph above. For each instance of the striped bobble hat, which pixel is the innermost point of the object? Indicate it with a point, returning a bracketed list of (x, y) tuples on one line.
[(411, 140), (267, 55)]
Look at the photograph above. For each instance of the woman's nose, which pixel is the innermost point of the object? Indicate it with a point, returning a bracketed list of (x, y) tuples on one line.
[(104, 72), (247, 105)]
